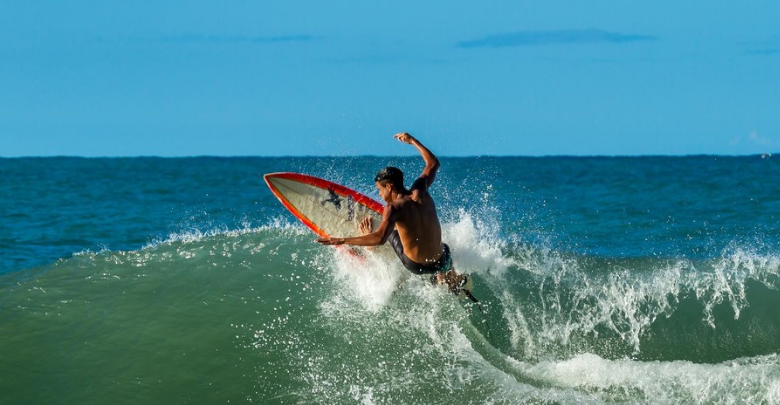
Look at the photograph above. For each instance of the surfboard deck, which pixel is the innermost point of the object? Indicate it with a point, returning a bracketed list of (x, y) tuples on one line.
[(327, 208)]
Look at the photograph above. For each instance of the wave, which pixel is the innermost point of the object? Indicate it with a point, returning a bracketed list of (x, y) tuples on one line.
[(286, 321)]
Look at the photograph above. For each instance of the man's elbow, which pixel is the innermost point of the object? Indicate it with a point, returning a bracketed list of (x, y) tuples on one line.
[(433, 164), (382, 239)]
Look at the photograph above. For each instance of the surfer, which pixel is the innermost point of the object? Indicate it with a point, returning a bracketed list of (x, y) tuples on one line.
[(410, 223)]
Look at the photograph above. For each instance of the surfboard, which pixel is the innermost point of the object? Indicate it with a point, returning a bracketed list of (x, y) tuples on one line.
[(327, 208)]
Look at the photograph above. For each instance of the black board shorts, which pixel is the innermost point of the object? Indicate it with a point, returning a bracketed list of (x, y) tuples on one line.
[(444, 262)]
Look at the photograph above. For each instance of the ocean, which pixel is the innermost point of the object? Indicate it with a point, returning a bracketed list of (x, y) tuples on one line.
[(603, 280)]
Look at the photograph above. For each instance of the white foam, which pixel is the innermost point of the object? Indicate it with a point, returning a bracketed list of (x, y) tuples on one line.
[(518, 327), (726, 280), (196, 235), (629, 301), (744, 381), (476, 246), (371, 276)]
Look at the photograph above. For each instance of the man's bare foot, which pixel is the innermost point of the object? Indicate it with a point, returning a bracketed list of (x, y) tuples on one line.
[(451, 279)]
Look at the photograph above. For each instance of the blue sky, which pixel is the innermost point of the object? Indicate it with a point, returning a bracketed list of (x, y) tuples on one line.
[(275, 78)]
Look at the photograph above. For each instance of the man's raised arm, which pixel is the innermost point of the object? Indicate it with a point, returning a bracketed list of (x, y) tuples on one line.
[(431, 161)]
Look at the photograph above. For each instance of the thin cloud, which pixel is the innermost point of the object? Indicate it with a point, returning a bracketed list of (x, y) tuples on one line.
[(754, 139), (761, 140), (561, 37), (764, 51), (240, 39), (767, 47)]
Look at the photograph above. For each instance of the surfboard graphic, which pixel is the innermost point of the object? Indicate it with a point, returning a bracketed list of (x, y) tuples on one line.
[(327, 208)]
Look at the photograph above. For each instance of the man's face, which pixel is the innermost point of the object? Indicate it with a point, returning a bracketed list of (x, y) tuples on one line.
[(385, 192)]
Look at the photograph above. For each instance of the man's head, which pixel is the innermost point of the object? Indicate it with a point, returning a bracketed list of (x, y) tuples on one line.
[(388, 180)]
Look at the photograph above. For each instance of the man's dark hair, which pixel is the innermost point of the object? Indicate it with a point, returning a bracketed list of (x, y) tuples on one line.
[(392, 175)]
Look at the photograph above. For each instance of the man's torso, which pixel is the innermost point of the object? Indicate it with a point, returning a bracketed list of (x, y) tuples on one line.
[(418, 227)]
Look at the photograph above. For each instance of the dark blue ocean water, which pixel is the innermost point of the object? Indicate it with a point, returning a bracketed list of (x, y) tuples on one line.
[(604, 280)]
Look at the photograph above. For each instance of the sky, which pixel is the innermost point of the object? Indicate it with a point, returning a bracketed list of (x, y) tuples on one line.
[(339, 78)]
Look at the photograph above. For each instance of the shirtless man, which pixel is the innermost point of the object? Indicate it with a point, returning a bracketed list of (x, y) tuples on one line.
[(410, 222)]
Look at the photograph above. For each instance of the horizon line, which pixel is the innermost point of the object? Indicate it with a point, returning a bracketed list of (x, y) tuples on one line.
[(206, 156)]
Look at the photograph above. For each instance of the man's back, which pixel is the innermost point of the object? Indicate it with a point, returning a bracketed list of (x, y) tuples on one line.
[(418, 225)]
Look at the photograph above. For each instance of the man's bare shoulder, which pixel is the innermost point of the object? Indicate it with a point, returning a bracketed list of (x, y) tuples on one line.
[(403, 204), (421, 184)]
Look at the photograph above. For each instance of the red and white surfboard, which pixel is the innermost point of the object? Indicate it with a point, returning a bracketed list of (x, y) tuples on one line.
[(329, 209)]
